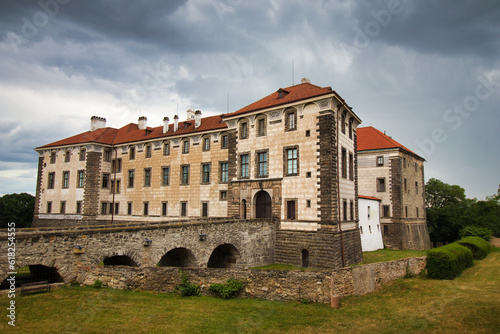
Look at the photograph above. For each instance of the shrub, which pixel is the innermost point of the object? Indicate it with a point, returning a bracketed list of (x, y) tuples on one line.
[(227, 290), (474, 231), (449, 261), (97, 284), (186, 288), (479, 247)]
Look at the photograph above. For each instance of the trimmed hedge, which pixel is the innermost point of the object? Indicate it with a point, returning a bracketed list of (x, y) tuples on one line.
[(447, 262), (479, 247)]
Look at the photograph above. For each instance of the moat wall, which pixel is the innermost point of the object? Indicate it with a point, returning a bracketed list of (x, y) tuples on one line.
[(278, 285)]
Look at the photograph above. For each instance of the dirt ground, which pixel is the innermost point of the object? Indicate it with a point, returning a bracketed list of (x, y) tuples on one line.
[(495, 242)]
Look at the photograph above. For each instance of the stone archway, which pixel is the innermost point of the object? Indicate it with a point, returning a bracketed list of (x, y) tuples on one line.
[(119, 260), (178, 257), (224, 256), (263, 205), (34, 273)]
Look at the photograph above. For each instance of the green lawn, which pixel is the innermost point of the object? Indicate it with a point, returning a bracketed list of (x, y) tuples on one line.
[(468, 304), (383, 255)]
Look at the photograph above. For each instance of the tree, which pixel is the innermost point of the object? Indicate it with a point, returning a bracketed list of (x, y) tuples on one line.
[(17, 208)]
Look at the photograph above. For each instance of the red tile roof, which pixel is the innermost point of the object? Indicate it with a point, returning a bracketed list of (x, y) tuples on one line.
[(370, 138), (369, 197), (131, 133), (288, 95)]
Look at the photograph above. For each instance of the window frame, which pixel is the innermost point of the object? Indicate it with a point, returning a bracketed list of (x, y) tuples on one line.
[(205, 172), (244, 165), (131, 178), (184, 175), (165, 176), (262, 165), (224, 172), (148, 173), (379, 183), (290, 120), (293, 160), (65, 179)]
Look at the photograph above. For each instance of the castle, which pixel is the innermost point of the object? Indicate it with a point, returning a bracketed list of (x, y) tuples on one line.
[(291, 156)]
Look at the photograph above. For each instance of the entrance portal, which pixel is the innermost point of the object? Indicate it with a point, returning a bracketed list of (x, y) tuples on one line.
[(263, 208)]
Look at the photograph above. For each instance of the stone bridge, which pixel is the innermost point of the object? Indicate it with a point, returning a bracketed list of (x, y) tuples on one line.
[(216, 243)]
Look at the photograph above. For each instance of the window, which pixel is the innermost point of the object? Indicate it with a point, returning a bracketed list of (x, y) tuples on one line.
[(405, 185), (380, 161), (53, 157), (104, 208), (147, 177), (50, 184), (308, 133), (351, 166), (81, 177), (368, 211), (117, 208), (261, 127), (223, 195), (308, 203), (67, 156), (116, 165), (205, 173), (417, 213), (131, 174), (146, 208), (381, 184), (290, 209), (342, 122), (78, 207), (166, 149), (164, 207), (262, 164), (292, 162), (404, 162), (344, 163), (129, 208), (244, 165), (370, 228), (345, 209), (49, 207), (386, 230), (224, 172), (225, 141), (351, 211), (204, 209), (165, 176), (184, 209), (308, 174), (107, 155), (416, 187), (65, 183), (185, 146), (82, 154), (386, 211), (131, 153), (63, 207), (416, 167), (147, 150), (406, 211), (105, 180), (291, 121), (361, 229), (117, 188), (185, 174), (350, 128), (244, 130), (206, 144)]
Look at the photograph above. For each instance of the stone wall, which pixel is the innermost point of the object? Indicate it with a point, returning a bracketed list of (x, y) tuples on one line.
[(323, 248), (279, 285)]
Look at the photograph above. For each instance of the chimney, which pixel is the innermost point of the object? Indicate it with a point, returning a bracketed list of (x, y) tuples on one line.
[(165, 124), (190, 114), (176, 123), (197, 118), (305, 80), (143, 123), (97, 123)]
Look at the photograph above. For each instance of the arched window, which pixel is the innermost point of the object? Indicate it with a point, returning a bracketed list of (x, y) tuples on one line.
[(261, 126), (244, 129), (291, 120)]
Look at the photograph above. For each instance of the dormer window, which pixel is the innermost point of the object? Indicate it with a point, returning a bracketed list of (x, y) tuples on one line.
[(282, 93)]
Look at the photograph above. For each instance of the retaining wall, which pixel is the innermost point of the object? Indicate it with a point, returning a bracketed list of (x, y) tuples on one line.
[(278, 285)]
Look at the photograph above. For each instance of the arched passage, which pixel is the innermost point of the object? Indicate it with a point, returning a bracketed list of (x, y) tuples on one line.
[(119, 260), (34, 273), (178, 257), (263, 208), (224, 256)]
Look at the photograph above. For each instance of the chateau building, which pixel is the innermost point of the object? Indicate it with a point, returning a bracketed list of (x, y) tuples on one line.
[(393, 173), (291, 156)]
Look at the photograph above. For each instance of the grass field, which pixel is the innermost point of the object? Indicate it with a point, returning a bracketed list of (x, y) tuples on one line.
[(468, 304)]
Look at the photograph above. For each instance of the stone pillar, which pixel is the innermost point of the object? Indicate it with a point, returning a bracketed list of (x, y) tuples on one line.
[(92, 185), (38, 190)]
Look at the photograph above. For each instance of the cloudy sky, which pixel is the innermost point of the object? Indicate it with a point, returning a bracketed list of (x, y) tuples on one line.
[(426, 72)]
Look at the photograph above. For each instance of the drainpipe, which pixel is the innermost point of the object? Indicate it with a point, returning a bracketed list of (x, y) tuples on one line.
[(114, 185), (338, 193)]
